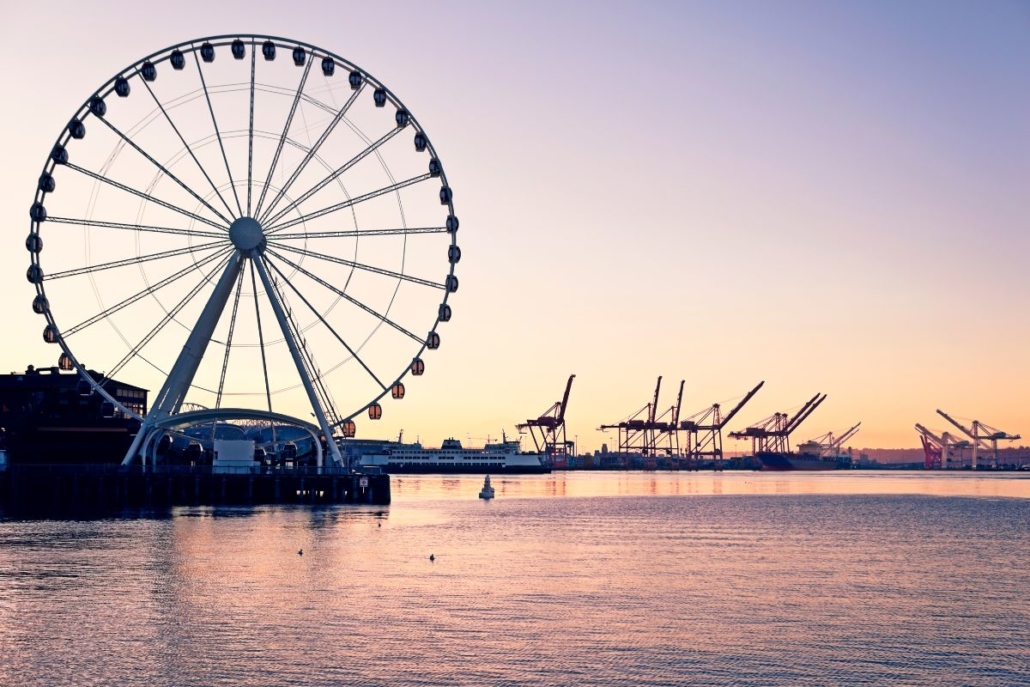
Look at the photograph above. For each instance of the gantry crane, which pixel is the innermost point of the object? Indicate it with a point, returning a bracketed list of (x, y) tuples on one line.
[(666, 432), (830, 445), (548, 430), (938, 449), (639, 432), (983, 436), (704, 431), (772, 435)]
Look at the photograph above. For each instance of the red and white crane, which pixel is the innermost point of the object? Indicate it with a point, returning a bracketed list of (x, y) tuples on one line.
[(548, 430)]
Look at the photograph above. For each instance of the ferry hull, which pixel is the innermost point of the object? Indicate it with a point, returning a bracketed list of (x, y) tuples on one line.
[(781, 462)]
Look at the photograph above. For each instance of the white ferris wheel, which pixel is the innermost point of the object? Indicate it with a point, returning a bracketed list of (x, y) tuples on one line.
[(254, 226)]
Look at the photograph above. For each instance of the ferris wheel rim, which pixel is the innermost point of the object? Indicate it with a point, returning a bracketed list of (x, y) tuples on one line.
[(161, 56)]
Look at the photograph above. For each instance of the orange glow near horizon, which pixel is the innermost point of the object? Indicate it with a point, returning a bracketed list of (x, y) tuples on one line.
[(830, 198)]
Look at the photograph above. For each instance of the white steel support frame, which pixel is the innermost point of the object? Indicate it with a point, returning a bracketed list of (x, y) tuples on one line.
[(280, 317), (172, 394)]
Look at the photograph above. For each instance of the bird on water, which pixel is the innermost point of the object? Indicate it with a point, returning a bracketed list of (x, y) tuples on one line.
[(301, 552), (432, 558)]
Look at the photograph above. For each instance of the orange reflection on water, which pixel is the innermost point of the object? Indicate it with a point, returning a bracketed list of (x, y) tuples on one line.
[(576, 484)]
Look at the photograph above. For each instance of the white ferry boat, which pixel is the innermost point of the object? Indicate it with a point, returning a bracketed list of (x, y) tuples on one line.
[(496, 458)]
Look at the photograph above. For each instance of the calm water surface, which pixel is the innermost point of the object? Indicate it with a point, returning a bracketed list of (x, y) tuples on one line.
[(564, 579)]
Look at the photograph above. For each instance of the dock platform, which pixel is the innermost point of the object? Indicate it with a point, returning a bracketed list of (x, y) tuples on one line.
[(59, 488)]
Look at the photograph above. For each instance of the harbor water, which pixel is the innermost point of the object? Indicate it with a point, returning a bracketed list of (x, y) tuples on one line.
[(581, 578)]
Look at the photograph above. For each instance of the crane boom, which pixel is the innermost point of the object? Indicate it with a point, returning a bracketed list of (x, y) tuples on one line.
[(679, 403), (565, 399), (847, 435), (968, 432), (803, 414), (750, 394), (654, 405)]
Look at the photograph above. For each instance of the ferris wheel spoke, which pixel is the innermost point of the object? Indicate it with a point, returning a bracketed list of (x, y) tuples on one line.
[(261, 335), (152, 288), (228, 339), (250, 130), (360, 233), (135, 227), (218, 135), (135, 260), (282, 139), (334, 175), (314, 149), (189, 149), (362, 266), (348, 203), (350, 299), (295, 352), (164, 321), (163, 169), (328, 326), (144, 196)]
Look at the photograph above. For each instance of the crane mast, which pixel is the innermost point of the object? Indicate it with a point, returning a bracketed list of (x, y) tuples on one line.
[(548, 430)]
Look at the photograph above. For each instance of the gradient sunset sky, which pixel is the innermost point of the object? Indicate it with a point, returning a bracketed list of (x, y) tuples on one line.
[(828, 196)]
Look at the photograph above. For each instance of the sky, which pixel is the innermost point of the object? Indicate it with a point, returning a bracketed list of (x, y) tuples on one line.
[(827, 196)]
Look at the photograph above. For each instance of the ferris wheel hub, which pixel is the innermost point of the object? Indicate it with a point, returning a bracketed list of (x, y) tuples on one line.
[(246, 234)]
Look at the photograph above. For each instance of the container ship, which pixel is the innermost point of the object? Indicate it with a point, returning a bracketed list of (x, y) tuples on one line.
[(502, 457), (808, 457)]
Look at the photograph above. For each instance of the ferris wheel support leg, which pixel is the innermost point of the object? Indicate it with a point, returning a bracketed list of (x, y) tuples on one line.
[(172, 393), (280, 317)]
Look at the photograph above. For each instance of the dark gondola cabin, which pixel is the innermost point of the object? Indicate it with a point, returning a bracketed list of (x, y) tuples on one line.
[(40, 304)]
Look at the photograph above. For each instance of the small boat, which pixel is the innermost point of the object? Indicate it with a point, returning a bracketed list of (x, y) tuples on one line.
[(487, 492)]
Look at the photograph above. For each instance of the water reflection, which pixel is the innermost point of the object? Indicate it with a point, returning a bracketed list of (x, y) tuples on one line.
[(581, 484), (600, 579)]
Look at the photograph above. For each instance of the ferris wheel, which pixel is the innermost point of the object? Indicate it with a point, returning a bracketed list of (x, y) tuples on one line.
[(250, 224)]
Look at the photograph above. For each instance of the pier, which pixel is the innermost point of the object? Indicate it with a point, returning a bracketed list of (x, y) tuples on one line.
[(56, 488)]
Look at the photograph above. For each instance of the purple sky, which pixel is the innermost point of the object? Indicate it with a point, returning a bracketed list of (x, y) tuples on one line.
[(828, 196)]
